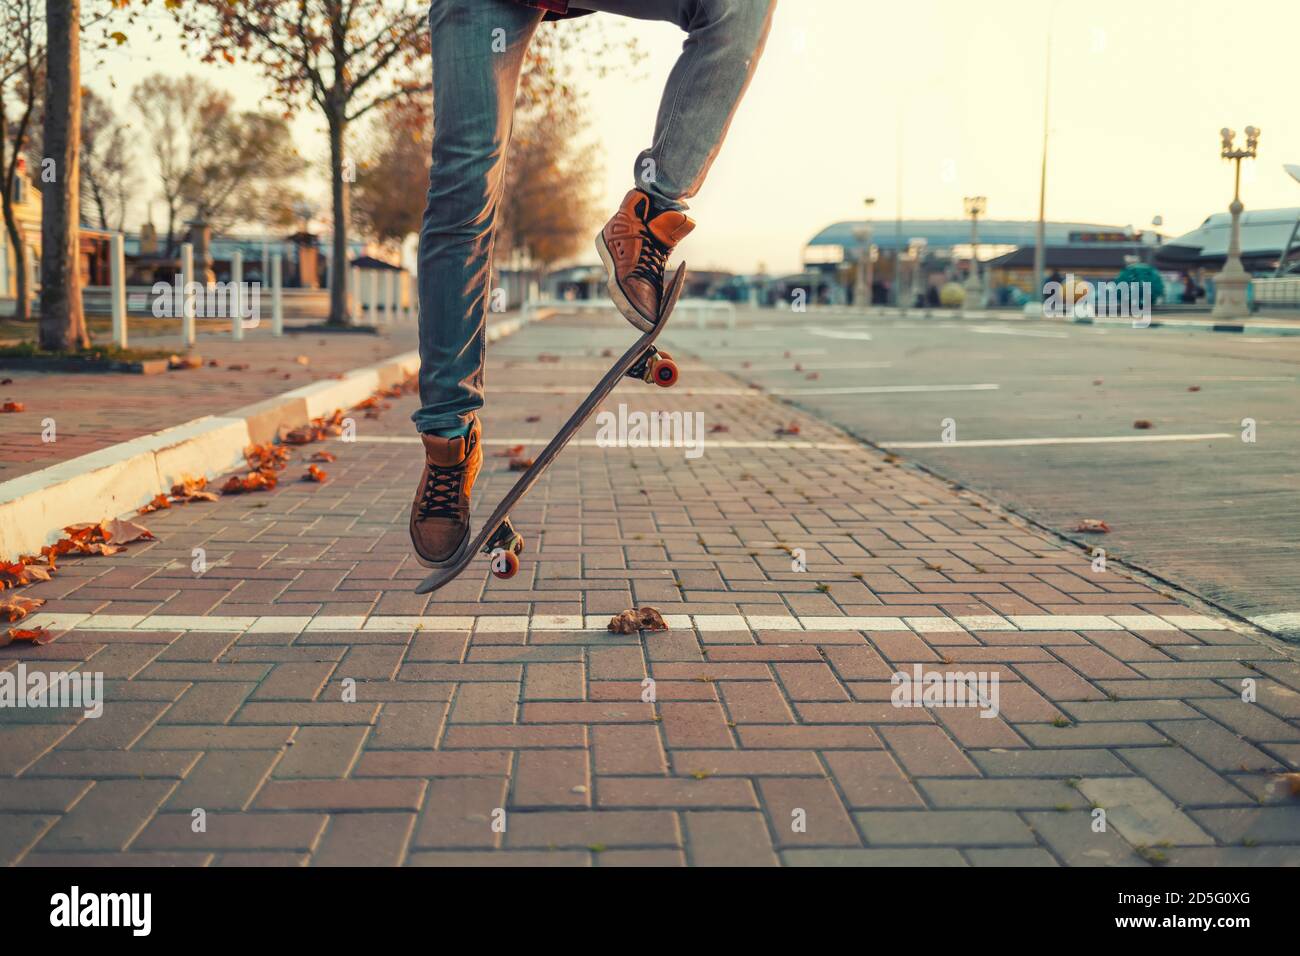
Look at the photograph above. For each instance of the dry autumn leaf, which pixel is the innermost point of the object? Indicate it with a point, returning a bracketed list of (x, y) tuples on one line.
[(314, 474), (637, 619), (37, 635), (1092, 526), (514, 451), (17, 607), (520, 464), (13, 407)]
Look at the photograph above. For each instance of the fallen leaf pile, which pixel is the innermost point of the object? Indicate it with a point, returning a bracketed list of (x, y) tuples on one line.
[(637, 619), (318, 429), (323, 456), (314, 474), (188, 489)]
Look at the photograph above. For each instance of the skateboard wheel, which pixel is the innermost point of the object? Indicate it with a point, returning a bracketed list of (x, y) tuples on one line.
[(664, 372), (505, 564)]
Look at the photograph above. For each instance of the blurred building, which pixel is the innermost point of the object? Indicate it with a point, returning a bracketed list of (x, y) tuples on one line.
[(832, 258)]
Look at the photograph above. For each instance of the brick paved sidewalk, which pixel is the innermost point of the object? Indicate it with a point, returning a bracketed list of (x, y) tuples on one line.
[(498, 722), (92, 411)]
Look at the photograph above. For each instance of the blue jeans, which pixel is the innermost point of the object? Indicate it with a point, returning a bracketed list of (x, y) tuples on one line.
[(475, 77)]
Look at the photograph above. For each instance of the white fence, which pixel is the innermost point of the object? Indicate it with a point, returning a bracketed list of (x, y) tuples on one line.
[(1284, 290), (378, 297)]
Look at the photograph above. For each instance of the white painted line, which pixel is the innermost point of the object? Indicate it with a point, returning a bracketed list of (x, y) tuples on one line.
[(1063, 622), (578, 390), (541, 440), (806, 366), (985, 622), (1278, 622), (933, 625), (721, 622), (885, 389), (839, 334), (519, 623), (1027, 442), (1031, 333), (1142, 622)]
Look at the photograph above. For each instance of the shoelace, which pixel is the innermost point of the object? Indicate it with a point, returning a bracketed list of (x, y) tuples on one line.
[(441, 495), (653, 260)]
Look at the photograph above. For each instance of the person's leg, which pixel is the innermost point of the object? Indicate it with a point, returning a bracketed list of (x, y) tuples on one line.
[(477, 51), (724, 41)]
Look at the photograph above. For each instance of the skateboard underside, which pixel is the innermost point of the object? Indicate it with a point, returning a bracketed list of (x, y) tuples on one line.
[(497, 538)]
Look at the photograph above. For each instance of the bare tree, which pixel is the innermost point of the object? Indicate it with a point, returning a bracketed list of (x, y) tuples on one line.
[(106, 166), (22, 80), (346, 57)]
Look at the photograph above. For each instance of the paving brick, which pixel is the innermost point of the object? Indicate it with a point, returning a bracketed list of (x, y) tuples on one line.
[(233, 831), (321, 752), (755, 702), (728, 838), (1188, 781), (223, 780), (604, 828), (943, 828), (415, 725), (340, 795), (806, 812), (1142, 814), (108, 817), (628, 750), (551, 779), (871, 779), (927, 752)]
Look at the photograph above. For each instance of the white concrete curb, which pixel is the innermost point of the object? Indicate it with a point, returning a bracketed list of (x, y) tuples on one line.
[(110, 482)]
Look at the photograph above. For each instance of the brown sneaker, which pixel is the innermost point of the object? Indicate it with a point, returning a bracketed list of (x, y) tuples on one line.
[(440, 512), (635, 249)]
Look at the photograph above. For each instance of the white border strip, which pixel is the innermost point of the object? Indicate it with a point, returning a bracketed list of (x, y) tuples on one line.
[(1018, 442), (705, 623)]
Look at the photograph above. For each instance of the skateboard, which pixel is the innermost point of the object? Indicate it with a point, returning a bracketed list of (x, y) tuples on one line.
[(498, 539)]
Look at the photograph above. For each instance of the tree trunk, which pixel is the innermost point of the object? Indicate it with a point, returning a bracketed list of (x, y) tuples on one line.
[(340, 313), (63, 326)]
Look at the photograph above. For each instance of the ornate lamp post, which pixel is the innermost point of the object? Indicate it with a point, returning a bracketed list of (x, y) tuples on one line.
[(862, 296), (975, 207), (1232, 284)]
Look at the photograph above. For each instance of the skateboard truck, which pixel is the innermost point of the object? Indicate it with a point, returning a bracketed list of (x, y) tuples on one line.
[(504, 549), (656, 367)]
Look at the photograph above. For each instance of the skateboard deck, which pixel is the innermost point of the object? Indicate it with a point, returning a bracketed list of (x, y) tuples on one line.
[(497, 538)]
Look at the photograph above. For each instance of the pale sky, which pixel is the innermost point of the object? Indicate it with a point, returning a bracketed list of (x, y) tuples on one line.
[(1140, 89)]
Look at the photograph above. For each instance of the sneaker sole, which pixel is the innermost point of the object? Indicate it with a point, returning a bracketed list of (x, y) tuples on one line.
[(620, 299), (448, 562)]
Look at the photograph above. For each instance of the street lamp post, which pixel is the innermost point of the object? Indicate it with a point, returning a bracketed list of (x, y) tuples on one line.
[(1231, 286), (975, 207), (863, 234)]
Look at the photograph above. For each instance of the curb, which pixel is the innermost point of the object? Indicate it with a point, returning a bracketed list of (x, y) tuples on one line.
[(112, 481)]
